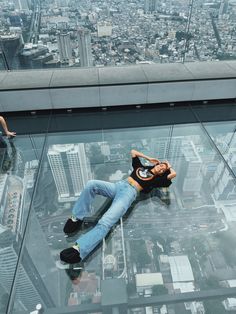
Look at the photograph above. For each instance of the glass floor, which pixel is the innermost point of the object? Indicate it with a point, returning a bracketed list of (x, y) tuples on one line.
[(175, 249)]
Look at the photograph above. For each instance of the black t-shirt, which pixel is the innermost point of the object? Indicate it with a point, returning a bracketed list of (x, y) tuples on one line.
[(143, 175)]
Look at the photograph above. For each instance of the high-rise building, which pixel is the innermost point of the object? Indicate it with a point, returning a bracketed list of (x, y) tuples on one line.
[(64, 46), (30, 288), (167, 148), (70, 169), (84, 39), (22, 5), (104, 29), (224, 5), (223, 184), (35, 56), (150, 6), (10, 45), (193, 164)]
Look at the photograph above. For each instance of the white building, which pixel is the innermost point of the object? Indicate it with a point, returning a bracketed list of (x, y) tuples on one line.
[(183, 281), (3, 194), (105, 148), (147, 281), (70, 169), (193, 168), (230, 303), (181, 270), (223, 184), (104, 29)]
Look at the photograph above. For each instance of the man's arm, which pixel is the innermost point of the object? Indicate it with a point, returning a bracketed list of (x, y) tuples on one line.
[(5, 128), (135, 153)]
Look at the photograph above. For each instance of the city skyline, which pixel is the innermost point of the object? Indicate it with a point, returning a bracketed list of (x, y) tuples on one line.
[(115, 34)]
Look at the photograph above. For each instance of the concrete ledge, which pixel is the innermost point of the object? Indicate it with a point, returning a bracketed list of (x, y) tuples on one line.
[(117, 86)]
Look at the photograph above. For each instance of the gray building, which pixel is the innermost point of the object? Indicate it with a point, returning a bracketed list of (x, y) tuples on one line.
[(64, 46), (22, 5), (84, 39), (150, 6)]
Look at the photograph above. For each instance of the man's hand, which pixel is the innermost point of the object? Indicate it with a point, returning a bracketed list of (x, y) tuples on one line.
[(10, 134)]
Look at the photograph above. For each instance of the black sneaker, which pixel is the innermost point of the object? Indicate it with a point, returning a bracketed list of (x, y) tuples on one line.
[(70, 255), (72, 225)]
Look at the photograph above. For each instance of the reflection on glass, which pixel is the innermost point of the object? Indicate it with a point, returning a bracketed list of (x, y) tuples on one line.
[(224, 137), (215, 306), (17, 176), (171, 241)]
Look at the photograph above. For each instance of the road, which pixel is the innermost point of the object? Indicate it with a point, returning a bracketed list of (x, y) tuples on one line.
[(35, 22)]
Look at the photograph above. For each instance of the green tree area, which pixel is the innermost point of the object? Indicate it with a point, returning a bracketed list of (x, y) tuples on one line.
[(215, 307), (210, 283), (166, 243), (95, 154), (196, 247), (139, 253), (131, 288), (159, 290), (200, 246), (180, 35), (227, 246)]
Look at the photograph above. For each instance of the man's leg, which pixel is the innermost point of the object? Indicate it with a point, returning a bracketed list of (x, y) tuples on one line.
[(87, 242), (83, 206)]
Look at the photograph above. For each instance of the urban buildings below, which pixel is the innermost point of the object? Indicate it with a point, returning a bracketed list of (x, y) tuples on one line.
[(151, 6), (70, 169), (10, 45), (64, 46), (84, 42)]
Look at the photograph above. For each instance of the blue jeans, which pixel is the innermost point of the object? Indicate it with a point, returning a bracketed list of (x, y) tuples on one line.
[(123, 195)]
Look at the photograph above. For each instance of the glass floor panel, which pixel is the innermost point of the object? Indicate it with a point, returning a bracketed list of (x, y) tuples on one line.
[(171, 242)]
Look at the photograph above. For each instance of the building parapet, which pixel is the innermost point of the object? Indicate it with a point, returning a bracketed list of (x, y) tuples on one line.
[(117, 86)]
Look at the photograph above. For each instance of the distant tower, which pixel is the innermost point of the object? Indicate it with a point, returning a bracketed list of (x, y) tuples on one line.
[(22, 5), (223, 7), (84, 38), (70, 169), (64, 46), (31, 288), (10, 45), (150, 6)]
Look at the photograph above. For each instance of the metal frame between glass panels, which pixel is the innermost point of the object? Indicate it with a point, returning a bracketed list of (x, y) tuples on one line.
[(199, 142)]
